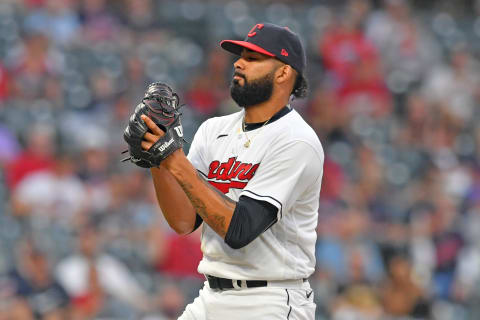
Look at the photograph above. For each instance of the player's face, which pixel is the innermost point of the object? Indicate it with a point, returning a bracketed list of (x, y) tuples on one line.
[(252, 81)]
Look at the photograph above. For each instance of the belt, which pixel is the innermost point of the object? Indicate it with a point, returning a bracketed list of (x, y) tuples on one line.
[(223, 284)]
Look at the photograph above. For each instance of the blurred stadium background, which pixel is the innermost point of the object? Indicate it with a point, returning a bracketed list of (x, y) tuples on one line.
[(394, 93)]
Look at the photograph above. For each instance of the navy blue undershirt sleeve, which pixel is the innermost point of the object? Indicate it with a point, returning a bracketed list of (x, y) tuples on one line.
[(250, 219), (198, 222)]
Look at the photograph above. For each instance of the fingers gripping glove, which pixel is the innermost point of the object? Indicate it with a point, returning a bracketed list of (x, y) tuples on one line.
[(167, 144), (160, 104)]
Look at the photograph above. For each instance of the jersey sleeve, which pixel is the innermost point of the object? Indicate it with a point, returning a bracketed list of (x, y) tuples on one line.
[(197, 152), (284, 172)]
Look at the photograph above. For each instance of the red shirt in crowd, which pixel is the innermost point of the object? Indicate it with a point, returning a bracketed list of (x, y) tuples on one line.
[(182, 257)]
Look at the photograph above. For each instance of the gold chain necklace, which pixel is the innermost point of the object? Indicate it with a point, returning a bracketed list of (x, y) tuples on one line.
[(248, 142)]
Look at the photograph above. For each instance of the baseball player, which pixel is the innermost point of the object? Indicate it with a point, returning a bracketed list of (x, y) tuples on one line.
[(252, 178)]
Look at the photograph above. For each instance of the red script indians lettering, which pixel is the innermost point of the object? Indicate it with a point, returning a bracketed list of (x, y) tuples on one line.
[(231, 174)]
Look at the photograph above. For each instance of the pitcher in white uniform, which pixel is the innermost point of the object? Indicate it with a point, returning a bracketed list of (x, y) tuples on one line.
[(253, 180)]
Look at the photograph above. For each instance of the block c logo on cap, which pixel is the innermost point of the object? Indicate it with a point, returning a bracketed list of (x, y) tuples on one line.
[(252, 32), (284, 53)]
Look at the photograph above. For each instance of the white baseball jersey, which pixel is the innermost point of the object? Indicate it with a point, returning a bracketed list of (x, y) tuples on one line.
[(283, 165)]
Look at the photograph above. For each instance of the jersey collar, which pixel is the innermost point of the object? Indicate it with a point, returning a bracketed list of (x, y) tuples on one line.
[(275, 117)]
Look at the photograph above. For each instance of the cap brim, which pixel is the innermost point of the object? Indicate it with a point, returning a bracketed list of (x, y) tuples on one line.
[(236, 47)]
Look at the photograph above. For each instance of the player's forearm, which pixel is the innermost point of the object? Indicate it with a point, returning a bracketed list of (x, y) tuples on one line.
[(215, 208), (175, 205)]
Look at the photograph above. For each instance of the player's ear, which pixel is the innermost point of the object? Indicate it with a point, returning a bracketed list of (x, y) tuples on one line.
[(283, 73)]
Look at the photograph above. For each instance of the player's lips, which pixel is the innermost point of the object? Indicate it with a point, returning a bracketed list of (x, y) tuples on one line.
[(238, 75)]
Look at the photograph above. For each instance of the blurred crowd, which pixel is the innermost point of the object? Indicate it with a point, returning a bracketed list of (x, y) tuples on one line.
[(393, 96)]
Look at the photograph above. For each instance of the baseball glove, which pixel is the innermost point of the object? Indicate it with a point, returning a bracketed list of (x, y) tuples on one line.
[(161, 105)]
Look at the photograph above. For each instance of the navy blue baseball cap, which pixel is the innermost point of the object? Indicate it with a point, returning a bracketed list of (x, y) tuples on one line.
[(273, 41)]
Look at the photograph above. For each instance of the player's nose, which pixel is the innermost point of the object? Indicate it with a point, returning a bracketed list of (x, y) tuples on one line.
[(239, 64)]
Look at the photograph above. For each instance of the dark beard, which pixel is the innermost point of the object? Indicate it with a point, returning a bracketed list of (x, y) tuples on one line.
[(252, 92)]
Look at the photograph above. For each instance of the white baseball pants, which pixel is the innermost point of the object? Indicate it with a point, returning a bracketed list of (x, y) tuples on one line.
[(276, 301)]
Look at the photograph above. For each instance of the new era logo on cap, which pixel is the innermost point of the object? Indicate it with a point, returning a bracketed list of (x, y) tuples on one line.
[(273, 41)]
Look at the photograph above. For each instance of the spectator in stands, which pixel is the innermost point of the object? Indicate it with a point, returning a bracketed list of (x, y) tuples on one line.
[(448, 244), (55, 194), (358, 301), (4, 84), (172, 302), (9, 146), (38, 155), (33, 283), (56, 19), (92, 278), (98, 22), (407, 49), (207, 89), (28, 67), (140, 15), (345, 252), (452, 88), (401, 295), (178, 256)]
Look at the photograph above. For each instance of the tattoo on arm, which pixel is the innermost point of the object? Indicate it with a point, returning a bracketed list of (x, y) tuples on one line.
[(215, 220), (226, 200)]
